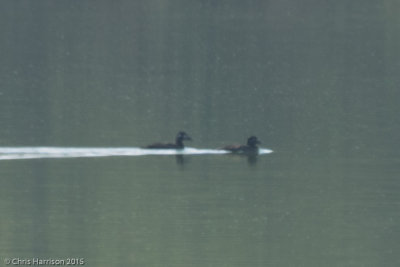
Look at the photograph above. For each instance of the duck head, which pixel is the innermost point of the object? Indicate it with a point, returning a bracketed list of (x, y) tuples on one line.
[(252, 141), (182, 136)]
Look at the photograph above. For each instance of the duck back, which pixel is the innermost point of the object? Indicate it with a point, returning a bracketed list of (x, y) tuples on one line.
[(180, 137)]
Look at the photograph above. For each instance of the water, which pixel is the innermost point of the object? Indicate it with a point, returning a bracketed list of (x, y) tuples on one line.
[(83, 87)]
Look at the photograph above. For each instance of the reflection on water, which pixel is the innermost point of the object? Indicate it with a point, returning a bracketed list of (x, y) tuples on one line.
[(8, 153), (250, 157)]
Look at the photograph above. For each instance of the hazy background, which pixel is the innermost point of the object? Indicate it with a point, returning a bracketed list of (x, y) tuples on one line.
[(316, 81)]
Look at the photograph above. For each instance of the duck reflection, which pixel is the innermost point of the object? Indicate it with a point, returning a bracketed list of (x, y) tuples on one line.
[(181, 160)]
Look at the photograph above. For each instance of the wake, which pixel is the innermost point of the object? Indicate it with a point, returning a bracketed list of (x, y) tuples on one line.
[(12, 153)]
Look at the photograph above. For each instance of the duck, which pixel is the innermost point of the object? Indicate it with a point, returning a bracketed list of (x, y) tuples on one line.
[(180, 137), (250, 148)]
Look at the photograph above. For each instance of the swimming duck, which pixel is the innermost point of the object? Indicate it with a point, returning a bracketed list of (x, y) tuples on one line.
[(180, 137), (251, 146)]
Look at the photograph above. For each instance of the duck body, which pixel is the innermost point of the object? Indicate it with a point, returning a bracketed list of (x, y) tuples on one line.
[(180, 137), (250, 148)]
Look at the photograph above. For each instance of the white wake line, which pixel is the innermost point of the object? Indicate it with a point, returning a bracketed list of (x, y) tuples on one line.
[(8, 153)]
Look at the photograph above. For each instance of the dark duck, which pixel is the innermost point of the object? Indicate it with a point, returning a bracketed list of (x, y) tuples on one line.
[(180, 137), (250, 148)]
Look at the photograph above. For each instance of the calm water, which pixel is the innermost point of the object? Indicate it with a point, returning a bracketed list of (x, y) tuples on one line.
[(318, 83)]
